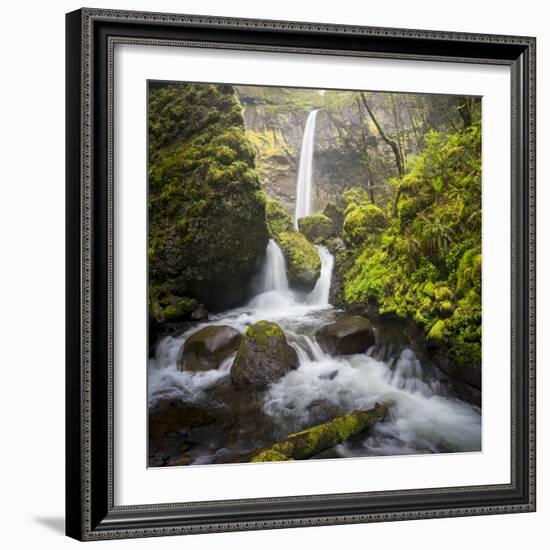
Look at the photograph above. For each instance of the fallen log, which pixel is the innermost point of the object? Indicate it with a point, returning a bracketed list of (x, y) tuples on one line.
[(319, 438)]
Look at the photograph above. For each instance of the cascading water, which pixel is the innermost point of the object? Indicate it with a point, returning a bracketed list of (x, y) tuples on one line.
[(319, 296), (305, 170), (273, 276), (423, 419)]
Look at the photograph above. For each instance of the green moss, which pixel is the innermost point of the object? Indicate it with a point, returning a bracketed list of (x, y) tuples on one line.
[(314, 440), (317, 228), (429, 289), (446, 308), (407, 209), (438, 332), (443, 293), (270, 456), (261, 331), (302, 259), (278, 219), (370, 278), (362, 222), (207, 225), (421, 258), (179, 308)]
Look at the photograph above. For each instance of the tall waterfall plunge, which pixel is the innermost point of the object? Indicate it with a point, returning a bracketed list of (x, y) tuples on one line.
[(305, 170)]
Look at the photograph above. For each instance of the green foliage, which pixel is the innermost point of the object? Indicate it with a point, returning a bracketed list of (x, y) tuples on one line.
[(369, 278), (424, 261), (206, 212)]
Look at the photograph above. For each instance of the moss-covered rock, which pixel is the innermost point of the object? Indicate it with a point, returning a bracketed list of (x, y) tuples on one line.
[(353, 334), (263, 357), (207, 227), (208, 347), (179, 309), (363, 221), (438, 333), (443, 293), (429, 289), (278, 219), (317, 228), (302, 260)]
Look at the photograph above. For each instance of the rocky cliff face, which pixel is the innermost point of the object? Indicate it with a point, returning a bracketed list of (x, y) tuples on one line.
[(275, 122), (207, 228)]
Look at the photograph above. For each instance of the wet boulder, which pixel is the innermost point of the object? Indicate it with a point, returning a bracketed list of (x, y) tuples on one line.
[(172, 415), (208, 347), (264, 356), (346, 336)]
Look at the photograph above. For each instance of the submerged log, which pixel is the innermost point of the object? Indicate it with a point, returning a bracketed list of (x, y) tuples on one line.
[(314, 440)]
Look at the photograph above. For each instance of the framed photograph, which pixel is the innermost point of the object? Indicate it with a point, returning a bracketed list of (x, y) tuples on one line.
[(300, 274)]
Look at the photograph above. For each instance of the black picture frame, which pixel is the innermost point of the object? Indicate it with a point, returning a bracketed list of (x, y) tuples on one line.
[(90, 512)]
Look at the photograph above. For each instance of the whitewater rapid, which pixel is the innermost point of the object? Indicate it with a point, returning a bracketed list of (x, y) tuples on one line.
[(423, 417)]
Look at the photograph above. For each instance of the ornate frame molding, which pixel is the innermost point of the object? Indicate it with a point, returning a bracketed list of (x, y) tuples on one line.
[(91, 36)]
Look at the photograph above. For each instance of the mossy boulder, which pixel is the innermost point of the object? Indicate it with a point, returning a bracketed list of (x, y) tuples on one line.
[(263, 357), (353, 334), (429, 289), (207, 226), (362, 222), (302, 260), (278, 219), (165, 307), (208, 347), (317, 228), (179, 309), (443, 293)]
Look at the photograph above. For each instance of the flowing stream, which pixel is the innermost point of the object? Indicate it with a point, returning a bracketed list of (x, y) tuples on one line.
[(424, 418)]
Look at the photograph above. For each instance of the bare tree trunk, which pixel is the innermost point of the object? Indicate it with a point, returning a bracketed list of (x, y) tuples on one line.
[(414, 126), (400, 138), (449, 116), (370, 186), (391, 142), (464, 108)]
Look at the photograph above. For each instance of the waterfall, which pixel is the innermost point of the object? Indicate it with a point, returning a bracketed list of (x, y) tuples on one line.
[(274, 293), (273, 276), (303, 183), (319, 296)]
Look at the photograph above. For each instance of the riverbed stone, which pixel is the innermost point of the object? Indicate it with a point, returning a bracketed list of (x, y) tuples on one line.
[(208, 347), (173, 415), (347, 336), (264, 356)]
